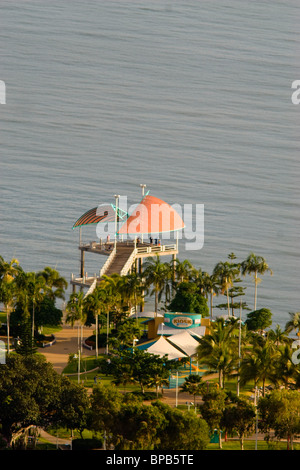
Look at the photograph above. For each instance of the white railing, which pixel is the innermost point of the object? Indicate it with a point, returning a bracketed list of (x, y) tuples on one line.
[(128, 263), (83, 280), (155, 248), (108, 262), (145, 249), (101, 246)]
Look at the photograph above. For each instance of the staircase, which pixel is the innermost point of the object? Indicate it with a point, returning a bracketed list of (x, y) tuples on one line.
[(119, 260)]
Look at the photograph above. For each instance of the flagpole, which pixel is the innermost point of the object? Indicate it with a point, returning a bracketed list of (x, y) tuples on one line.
[(176, 389), (116, 218), (143, 186)]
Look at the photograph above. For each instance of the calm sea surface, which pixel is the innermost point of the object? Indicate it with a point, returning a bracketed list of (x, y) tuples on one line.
[(191, 98)]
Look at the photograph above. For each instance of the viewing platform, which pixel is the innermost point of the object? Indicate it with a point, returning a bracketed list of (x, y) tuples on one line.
[(150, 218), (122, 256)]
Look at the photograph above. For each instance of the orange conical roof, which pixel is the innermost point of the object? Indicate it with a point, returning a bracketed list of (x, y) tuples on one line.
[(152, 216)]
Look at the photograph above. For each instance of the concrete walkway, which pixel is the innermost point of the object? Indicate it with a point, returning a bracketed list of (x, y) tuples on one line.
[(57, 441), (66, 344)]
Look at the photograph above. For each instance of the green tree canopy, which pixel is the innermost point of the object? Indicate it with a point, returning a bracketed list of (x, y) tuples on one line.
[(212, 408), (181, 430), (259, 320), (239, 417), (188, 300), (32, 393), (140, 367), (279, 411), (126, 333)]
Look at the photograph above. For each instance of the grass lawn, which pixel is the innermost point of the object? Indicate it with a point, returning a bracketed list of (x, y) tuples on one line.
[(86, 364), (234, 444), (63, 433), (3, 318), (51, 330), (43, 444), (87, 376)]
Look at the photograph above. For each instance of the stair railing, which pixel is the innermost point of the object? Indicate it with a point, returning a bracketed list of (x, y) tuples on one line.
[(108, 262), (128, 263)]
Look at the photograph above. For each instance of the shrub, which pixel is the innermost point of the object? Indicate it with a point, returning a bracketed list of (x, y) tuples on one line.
[(87, 444)]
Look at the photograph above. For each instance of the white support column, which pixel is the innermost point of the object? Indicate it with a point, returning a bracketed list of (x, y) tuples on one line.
[(143, 186), (116, 219)]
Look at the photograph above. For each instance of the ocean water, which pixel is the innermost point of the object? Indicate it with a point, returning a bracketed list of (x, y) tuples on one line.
[(191, 98)]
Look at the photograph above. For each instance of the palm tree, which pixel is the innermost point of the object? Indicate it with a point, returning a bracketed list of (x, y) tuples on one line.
[(183, 270), (218, 350), (199, 278), (38, 288), (158, 275), (75, 307), (193, 385), (76, 312), (212, 288), (115, 289), (54, 281), (278, 336), (133, 290), (7, 296), (8, 272), (293, 323), (259, 364), (255, 265), (31, 291), (127, 332), (97, 302), (158, 380), (286, 370), (225, 273)]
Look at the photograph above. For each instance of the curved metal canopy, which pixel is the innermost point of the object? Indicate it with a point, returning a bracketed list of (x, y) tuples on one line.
[(102, 213)]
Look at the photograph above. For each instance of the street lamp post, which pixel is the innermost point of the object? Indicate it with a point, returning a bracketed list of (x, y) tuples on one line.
[(256, 420), (176, 404), (78, 346), (107, 332), (116, 218), (78, 380), (239, 365), (143, 186)]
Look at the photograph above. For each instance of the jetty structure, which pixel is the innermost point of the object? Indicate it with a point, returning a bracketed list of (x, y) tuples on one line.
[(136, 237)]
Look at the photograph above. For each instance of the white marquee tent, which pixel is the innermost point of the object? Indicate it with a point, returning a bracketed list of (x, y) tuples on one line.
[(145, 315), (162, 347), (198, 331), (185, 342)]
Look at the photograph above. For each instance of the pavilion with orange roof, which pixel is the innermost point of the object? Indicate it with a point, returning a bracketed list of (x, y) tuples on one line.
[(152, 217)]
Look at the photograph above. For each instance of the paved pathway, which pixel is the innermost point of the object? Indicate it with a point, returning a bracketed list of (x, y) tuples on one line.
[(66, 344), (57, 441)]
